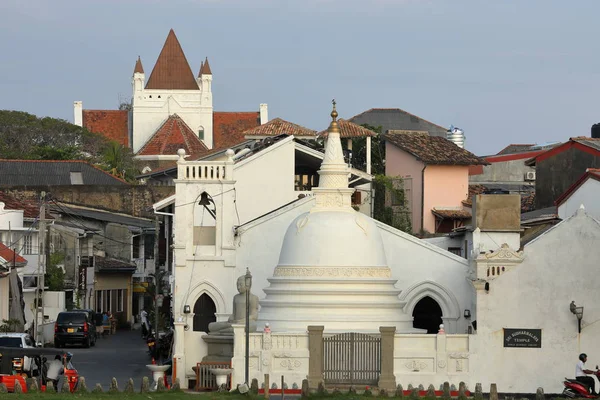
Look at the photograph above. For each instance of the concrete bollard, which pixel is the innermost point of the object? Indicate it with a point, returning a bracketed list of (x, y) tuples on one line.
[(462, 389), (3, 388), (539, 394), (383, 393), (493, 392), (49, 386), (421, 388), (305, 389), (81, 386), (431, 391), (129, 386), (114, 386), (176, 386), (160, 386), (336, 392), (254, 386), (145, 385), (266, 386), (399, 392), (446, 394), (18, 387), (97, 388), (414, 394), (352, 389), (321, 388), (478, 392), (33, 386)]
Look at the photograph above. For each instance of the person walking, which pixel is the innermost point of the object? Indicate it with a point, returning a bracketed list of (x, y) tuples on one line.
[(145, 324)]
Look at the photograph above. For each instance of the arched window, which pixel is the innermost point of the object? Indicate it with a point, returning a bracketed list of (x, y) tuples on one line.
[(204, 313), (427, 314), (201, 132)]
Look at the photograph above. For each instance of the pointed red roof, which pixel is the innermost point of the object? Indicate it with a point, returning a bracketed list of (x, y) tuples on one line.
[(228, 127), (279, 126), (173, 135), (172, 70), (350, 130), (138, 66), (200, 71), (205, 68), (10, 257)]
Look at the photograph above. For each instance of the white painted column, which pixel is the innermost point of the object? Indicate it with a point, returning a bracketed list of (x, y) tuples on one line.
[(78, 113), (368, 154)]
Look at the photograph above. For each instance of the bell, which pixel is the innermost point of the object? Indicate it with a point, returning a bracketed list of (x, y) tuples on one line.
[(204, 199)]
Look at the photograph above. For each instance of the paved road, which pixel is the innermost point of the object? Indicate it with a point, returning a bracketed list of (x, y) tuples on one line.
[(122, 356)]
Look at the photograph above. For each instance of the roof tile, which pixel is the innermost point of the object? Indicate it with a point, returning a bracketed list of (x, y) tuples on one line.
[(112, 124), (451, 214), (350, 130), (278, 126), (9, 256), (174, 134), (433, 150), (30, 208), (172, 70), (229, 127)]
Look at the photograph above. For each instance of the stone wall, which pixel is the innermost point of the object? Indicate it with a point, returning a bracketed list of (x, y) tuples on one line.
[(132, 200)]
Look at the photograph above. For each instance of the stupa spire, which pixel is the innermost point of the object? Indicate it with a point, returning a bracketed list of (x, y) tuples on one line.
[(333, 191)]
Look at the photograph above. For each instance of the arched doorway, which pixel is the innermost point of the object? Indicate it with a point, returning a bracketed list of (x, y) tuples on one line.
[(204, 313), (427, 314)]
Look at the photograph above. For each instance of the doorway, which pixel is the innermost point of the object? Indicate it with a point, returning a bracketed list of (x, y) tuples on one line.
[(427, 314), (204, 313)]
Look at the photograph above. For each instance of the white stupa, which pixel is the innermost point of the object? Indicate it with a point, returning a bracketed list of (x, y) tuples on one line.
[(332, 267)]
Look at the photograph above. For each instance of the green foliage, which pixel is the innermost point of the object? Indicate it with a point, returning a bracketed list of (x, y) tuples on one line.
[(359, 151), (390, 203), (55, 276), (10, 325), (56, 139)]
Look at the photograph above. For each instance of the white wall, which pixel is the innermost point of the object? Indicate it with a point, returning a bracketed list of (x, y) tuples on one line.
[(559, 267), (4, 298), (423, 269), (587, 194)]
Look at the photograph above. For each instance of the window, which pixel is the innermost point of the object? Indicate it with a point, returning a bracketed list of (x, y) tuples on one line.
[(27, 244), (201, 133), (136, 247), (76, 178), (455, 250), (99, 300)]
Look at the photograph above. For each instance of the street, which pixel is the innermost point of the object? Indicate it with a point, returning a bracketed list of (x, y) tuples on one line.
[(122, 356)]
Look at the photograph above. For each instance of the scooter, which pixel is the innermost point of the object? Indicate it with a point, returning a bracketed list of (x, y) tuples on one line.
[(574, 388)]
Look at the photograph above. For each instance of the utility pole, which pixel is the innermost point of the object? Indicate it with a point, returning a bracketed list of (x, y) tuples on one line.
[(157, 279), (39, 292)]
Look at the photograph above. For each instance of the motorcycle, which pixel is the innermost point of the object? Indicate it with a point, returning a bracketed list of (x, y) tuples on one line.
[(574, 388), (161, 349)]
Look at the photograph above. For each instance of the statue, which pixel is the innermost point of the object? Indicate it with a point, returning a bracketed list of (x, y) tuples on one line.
[(239, 311)]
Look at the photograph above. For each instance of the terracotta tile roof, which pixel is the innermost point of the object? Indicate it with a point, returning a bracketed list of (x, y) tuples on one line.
[(473, 190), (9, 255), (138, 66), (528, 202), (278, 126), (229, 127), (112, 124), (350, 130), (174, 134), (433, 150), (172, 70), (205, 68), (451, 214), (31, 208)]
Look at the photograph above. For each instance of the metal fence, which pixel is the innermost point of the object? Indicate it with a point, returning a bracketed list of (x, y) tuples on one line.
[(351, 359), (205, 380)]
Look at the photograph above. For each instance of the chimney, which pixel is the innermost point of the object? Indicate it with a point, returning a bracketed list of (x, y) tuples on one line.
[(264, 113), (596, 131), (78, 113)]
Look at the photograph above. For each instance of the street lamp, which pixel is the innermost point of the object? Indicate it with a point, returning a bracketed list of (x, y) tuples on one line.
[(578, 311), (248, 284)]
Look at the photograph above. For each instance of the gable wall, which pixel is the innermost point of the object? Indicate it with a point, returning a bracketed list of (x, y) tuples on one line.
[(587, 194), (559, 267), (445, 186)]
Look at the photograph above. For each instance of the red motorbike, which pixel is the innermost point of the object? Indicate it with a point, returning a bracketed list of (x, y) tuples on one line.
[(574, 388)]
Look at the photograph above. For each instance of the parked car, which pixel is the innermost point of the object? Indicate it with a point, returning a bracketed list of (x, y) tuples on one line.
[(75, 326), (19, 340)]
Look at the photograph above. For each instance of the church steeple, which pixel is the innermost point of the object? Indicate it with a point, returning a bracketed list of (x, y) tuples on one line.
[(138, 67), (205, 68), (172, 70)]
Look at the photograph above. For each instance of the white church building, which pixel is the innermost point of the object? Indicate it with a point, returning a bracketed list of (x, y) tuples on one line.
[(318, 264), (170, 109)]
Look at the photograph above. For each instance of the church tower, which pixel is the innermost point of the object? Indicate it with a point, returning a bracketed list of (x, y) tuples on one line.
[(171, 91)]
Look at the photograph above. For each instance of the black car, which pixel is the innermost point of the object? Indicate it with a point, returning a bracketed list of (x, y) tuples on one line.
[(75, 327)]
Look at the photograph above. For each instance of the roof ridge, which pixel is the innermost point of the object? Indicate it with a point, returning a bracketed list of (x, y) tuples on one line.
[(138, 66), (398, 109)]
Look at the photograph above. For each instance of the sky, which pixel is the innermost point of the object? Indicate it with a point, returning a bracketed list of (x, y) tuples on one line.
[(510, 71)]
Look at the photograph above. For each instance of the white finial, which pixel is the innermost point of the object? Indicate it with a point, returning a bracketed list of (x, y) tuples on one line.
[(2, 206), (229, 153), (581, 207), (181, 154)]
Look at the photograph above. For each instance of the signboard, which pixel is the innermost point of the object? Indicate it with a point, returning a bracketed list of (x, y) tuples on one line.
[(82, 278), (530, 338)]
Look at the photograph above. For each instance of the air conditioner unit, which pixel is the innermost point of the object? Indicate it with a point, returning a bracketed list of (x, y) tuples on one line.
[(530, 176)]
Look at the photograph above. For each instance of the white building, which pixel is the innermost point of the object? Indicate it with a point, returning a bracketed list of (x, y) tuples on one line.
[(170, 109), (585, 191)]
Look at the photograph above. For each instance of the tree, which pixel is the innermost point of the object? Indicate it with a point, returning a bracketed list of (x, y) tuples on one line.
[(118, 160), (55, 276)]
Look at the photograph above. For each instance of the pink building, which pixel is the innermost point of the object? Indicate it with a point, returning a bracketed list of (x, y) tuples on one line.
[(435, 172)]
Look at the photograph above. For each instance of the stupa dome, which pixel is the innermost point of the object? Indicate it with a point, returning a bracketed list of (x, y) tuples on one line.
[(333, 239), (332, 267)]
